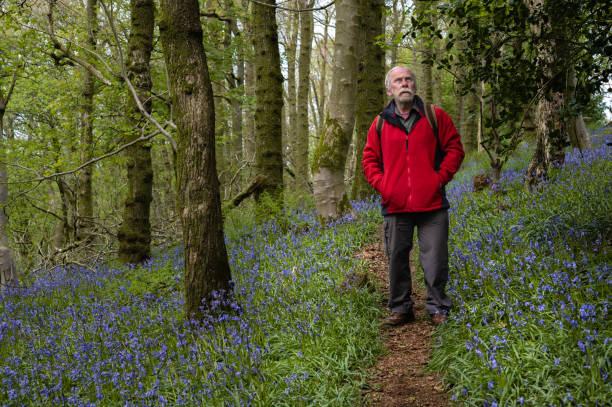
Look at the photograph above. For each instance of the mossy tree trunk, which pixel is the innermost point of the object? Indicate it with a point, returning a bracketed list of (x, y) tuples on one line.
[(330, 155), (269, 99), (206, 264), (8, 271), (370, 88), (135, 231), (303, 92), (84, 192)]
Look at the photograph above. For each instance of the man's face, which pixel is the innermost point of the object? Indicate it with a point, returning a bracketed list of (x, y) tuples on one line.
[(401, 85)]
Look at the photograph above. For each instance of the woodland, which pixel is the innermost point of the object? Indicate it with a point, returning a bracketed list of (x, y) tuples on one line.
[(183, 198)]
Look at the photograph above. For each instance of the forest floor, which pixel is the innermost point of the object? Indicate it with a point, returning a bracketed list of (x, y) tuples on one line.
[(398, 378)]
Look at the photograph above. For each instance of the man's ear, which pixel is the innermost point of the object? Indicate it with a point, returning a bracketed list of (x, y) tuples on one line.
[(388, 92)]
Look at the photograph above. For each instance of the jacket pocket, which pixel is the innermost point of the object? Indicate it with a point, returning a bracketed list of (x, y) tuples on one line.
[(429, 191)]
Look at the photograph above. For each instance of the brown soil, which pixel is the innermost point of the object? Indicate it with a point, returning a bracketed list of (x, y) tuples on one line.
[(398, 379)]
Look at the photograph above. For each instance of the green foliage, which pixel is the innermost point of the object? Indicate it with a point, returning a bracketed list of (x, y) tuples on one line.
[(594, 112), (520, 53)]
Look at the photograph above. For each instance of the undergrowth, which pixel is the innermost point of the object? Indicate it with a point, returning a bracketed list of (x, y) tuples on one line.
[(531, 284), (299, 330), (530, 280)]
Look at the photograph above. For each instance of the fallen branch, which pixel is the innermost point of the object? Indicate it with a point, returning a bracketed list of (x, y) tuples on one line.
[(248, 191)]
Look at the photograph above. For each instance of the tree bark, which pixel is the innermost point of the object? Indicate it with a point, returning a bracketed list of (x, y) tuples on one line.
[(135, 232), (249, 133), (237, 84), (84, 192), (269, 99), (551, 128), (8, 270), (290, 129), (370, 88), (330, 157), (425, 84), (321, 95), (302, 132), (578, 134), (469, 132), (206, 264)]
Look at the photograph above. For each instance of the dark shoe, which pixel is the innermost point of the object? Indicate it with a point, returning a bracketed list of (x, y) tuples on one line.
[(399, 318), (438, 318)]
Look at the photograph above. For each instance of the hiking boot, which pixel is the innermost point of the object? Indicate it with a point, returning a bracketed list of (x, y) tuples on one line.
[(399, 318), (438, 318)]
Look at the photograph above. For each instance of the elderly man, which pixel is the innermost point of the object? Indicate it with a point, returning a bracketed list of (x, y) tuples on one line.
[(409, 157)]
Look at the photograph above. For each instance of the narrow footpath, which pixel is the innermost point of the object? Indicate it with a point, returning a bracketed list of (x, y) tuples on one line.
[(398, 379)]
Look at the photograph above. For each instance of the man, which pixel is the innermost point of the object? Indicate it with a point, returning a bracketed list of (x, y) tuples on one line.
[(409, 167)]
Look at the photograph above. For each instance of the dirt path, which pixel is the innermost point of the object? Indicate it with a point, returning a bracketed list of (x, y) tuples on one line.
[(397, 379)]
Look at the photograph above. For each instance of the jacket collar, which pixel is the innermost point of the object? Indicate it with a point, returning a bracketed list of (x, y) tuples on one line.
[(391, 117)]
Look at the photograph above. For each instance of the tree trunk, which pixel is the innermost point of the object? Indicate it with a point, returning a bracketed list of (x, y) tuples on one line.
[(84, 192), (537, 170), (8, 270), (330, 157), (236, 101), (425, 85), (437, 47), (222, 137), (480, 116), (370, 88), (469, 130), (397, 24), (269, 99), (322, 93), (290, 129), (135, 232), (578, 134), (206, 264), (460, 108), (249, 90), (249, 133), (302, 133), (551, 128)]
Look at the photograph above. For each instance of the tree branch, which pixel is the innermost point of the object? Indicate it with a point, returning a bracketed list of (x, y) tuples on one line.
[(69, 54), (92, 161), (141, 107), (249, 190), (215, 15), (293, 9)]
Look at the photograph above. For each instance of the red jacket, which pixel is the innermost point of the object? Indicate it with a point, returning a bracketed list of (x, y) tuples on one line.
[(411, 175)]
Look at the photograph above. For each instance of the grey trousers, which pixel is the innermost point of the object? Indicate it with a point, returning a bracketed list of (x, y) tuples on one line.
[(432, 232)]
